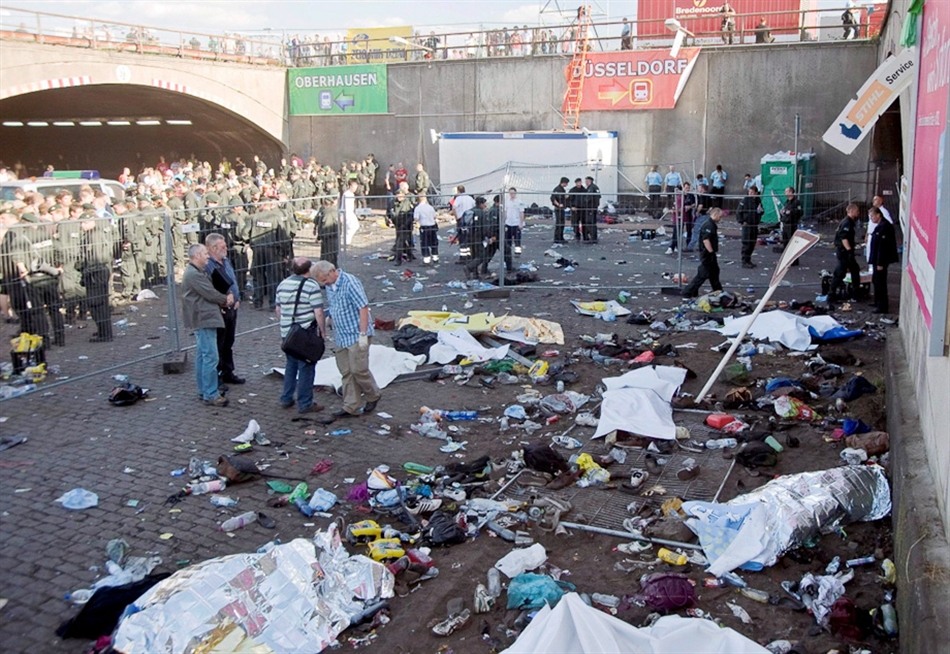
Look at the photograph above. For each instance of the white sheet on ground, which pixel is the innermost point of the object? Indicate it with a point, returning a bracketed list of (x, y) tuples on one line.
[(461, 343), (385, 363), (782, 327), (639, 402), (572, 627)]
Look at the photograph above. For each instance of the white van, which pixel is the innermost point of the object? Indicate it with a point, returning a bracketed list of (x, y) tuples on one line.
[(50, 186)]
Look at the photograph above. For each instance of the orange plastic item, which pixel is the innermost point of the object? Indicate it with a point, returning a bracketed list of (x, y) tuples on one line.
[(719, 420), (646, 357)]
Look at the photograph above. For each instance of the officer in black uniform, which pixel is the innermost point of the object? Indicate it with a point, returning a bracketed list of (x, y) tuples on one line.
[(845, 253), (790, 216), (593, 204), (483, 237), (559, 200), (749, 216), (708, 259)]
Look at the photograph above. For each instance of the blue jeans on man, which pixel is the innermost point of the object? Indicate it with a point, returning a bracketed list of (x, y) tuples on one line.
[(298, 379), (206, 363)]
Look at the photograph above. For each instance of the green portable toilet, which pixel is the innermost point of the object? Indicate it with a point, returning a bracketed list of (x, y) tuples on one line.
[(779, 171)]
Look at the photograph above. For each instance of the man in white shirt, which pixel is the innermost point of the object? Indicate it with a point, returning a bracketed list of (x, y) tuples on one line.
[(514, 222), (424, 215), (463, 202), (351, 223), (878, 202)]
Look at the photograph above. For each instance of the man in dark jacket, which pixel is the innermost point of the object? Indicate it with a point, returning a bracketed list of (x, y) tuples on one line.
[(708, 257), (483, 236), (845, 253), (750, 215), (201, 308), (559, 200), (883, 253), (577, 201)]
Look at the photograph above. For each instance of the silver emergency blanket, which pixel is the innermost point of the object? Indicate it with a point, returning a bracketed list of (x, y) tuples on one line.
[(295, 597), (753, 530)]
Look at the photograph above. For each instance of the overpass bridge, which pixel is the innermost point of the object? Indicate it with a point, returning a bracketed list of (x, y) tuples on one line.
[(106, 108)]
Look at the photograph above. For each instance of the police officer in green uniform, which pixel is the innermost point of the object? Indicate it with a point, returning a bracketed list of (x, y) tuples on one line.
[(99, 241), (422, 181), (237, 224), (69, 237), (131, 224), (268, 240), (328, 222)]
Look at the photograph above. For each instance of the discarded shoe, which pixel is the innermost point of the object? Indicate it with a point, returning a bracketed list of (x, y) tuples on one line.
[(415, 506), (690, 470), (449, 625), (638, 477), (265, 521)]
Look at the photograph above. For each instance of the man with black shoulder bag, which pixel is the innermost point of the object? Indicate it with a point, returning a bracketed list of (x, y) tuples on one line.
[(302, 325)]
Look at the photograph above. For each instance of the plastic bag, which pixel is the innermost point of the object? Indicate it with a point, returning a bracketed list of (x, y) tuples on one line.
[(533, 591), (667, 591), (77, 499), (322, 500), (789, 407)]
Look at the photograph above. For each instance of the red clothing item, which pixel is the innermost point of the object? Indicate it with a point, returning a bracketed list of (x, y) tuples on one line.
[(401, 175)]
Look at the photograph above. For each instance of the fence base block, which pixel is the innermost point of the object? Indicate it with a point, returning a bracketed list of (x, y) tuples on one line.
[(174, 363)]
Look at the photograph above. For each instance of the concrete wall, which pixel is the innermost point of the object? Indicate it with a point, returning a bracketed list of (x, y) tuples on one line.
[(258, 93), (739, 104)]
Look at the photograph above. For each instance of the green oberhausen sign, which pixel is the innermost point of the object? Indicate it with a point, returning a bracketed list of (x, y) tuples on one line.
[(338, 90)]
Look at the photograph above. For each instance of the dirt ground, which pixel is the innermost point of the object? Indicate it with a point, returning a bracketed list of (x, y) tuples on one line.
[(161, 435)]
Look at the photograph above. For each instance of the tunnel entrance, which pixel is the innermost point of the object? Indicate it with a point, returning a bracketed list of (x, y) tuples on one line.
[(106, 127)]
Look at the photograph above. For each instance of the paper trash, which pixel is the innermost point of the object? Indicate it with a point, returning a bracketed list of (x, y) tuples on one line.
[(529, 330), (572, 627), (296, 597), (792, 331), (518, 561), (639, 402), (755, 529)]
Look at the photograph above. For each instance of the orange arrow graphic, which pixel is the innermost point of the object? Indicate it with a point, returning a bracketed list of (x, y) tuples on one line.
[(615, 92)]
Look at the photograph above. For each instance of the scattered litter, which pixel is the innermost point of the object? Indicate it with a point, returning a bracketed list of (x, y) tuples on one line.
[(77, 499)]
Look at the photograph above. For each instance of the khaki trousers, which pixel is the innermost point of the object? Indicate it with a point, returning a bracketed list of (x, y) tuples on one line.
[(358, 383)]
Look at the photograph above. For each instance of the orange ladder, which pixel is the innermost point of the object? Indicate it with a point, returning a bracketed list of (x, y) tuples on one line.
[(571, 109)]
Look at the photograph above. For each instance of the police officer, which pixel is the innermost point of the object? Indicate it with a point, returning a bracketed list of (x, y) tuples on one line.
[(483, 237), (99, 242), (130, 222), (236, 226), (422, 182), (328, 222), (44, 282), (559, 200), (845, 253), (708, 259), (69, 238), (749, 216), (268, 240), (790, 216), (590, 216), (578, 205)]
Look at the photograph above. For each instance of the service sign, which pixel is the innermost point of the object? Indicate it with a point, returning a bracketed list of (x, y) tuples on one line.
[(879, 91), (626, 80), (338, 90), (378, 45)]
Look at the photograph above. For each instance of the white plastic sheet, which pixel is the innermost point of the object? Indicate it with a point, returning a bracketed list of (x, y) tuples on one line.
[(782, 327), (385, 363), (296, 597), (639, 402), (572, 627), (460, 342)]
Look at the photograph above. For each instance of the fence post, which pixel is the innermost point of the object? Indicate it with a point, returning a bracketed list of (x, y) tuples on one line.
[(175, 360)]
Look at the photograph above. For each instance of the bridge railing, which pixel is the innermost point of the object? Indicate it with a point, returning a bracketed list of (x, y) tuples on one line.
[(323, 49)]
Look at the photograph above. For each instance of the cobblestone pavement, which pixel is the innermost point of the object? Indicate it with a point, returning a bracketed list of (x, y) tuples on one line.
[(125, 455)]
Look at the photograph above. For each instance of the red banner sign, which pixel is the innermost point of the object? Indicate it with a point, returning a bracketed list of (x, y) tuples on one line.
[(617, 81)]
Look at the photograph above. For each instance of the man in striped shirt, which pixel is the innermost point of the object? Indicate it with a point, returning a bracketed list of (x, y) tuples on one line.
[(352, 329), (298, 375)]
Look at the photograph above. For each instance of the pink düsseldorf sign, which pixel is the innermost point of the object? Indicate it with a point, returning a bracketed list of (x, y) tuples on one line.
[(931, 124)]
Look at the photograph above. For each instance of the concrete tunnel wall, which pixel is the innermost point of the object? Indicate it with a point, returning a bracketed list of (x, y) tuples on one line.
[(739, 104)]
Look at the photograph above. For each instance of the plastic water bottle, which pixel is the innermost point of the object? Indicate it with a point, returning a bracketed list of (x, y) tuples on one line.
[(303, 506), (238, 522), (889, 616), (122, 326), (215, 486), (223, 500), (721, 443), (417, 287), (452, 370), (460, 415), (503, 425)]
